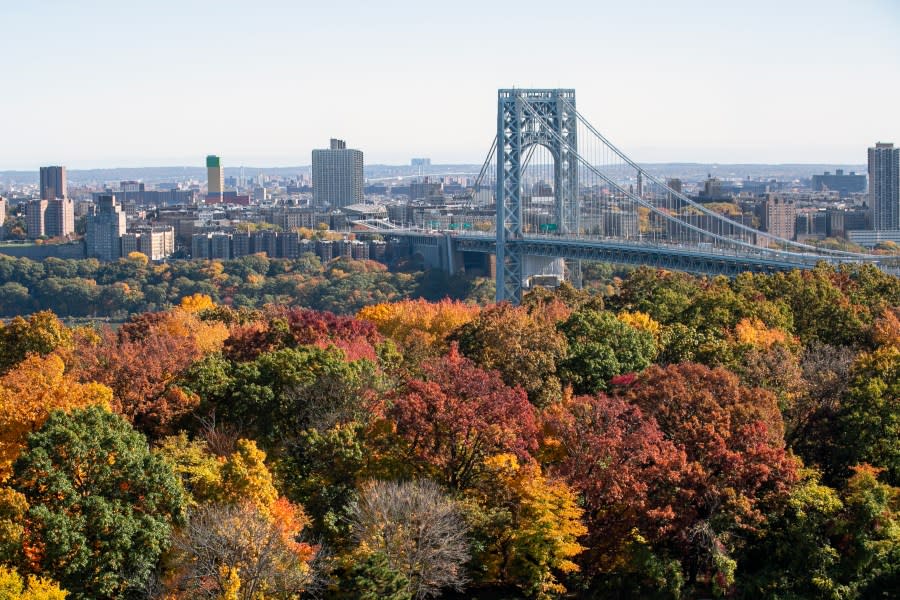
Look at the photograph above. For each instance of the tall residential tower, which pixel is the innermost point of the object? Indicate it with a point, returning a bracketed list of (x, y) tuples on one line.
[(53, 183), (884, 187), (215, 179), (337, 175)]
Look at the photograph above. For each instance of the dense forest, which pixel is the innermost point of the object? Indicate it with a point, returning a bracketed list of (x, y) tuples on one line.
[(665, 437), (89, 288)]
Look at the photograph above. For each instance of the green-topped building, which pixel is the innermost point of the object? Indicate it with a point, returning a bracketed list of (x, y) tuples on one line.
[(215, 179)]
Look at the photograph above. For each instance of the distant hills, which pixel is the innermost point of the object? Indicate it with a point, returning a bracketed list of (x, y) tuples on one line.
[(689, 171)]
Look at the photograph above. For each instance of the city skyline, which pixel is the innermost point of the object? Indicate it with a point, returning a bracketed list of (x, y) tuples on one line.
[(167, 83)]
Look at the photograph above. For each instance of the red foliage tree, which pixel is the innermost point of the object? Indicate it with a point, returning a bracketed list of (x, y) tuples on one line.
[(629, 476), (457, 414), (290, 327), (732, 437), (141, 364)]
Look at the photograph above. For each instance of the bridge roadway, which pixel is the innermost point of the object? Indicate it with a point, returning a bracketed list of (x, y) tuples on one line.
[(676, 257)]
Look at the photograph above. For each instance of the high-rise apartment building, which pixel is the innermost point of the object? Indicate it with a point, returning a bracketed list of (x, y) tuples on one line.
[(105, 227), (59, 218), (779, 216), (35, 212), (215, 179), (884, 187), (3, 207), (53, 183), (337, 175)]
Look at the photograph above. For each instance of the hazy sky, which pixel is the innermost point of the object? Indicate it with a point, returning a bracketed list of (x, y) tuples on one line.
[(262, 82)]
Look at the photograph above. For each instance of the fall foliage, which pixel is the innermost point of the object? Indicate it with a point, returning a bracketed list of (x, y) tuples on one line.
[(654, 435)]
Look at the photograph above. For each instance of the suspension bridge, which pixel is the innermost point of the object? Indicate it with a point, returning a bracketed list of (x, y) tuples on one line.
[(553, 191)]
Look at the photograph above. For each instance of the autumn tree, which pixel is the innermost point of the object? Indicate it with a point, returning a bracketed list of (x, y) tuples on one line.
[(40, 334), (237, 551), (101, 506), (628, 475), (526, 526), (732, 437), (868, 422), (419, 326), (601, 346), (523, 347), (457, 415), (199, 470), (30, 392), (142, 374), (419, 531), (15, 587)]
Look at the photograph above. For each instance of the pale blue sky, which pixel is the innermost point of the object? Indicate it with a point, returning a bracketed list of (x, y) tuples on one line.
[(262, 82)]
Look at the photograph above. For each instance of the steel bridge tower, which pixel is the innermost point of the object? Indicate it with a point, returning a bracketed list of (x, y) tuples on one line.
[(526, 118)]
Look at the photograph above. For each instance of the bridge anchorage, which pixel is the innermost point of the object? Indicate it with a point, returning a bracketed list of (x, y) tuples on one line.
[(560, 191)]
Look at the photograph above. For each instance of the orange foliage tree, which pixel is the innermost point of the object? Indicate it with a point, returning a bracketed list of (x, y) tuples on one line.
[(29, 392), (142, 362)]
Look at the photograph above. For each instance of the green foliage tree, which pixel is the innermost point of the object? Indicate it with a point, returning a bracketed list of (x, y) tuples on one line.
[(101, 505), (371, 578), (282, 393), (601, 347), (868, 423)]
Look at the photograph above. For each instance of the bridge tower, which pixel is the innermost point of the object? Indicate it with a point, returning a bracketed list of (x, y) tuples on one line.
[(528, 117)]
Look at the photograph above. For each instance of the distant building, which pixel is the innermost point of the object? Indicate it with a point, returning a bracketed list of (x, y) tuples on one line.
[(675, 184), (420, 190), (53, 182), (104, 229), (157, 242), (870, 239), (220, 245), (200, 245), (3, 208), (35, 212), (159, 198), (884, 187), (337, 175), (844, 184), (240, 244), (215, 179), (778, 216), (59, 218)]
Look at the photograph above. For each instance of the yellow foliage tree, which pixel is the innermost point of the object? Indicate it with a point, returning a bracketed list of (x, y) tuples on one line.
[(413, 323), (198, 302), (754, 332), (13, 507), (138, 258), (245, 478), (531, 525), (641, 321), (199, 470), (13, 587), (29, 392), (184, 323)]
